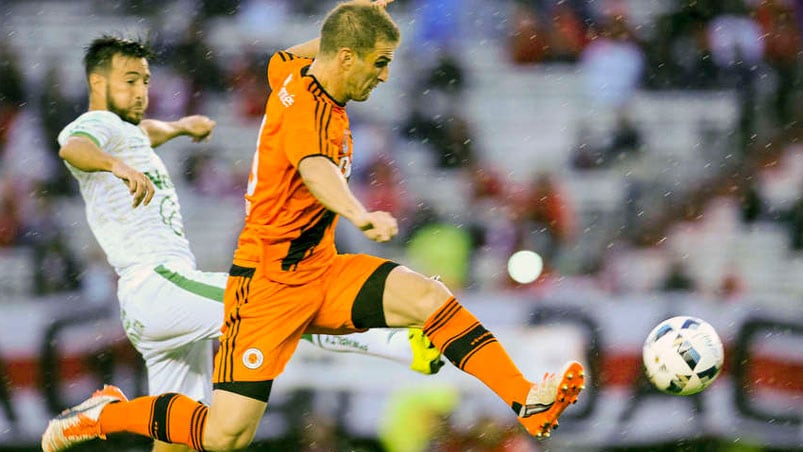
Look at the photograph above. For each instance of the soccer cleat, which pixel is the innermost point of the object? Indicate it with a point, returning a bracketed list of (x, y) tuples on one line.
[(547, 400), (79, 423), (426, 358)]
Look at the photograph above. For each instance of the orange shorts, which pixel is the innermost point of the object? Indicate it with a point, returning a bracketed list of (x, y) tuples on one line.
[(264, 319)]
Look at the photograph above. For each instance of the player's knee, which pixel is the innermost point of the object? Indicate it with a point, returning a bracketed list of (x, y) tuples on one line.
[(228, 438), (432, 296)]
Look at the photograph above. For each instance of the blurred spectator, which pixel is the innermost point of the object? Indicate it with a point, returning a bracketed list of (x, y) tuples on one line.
[(195, 59), (735, 38), (12, 92), (57, 267), (446, 75), (752, 205), (587, 153), (737, 49), (10, 222), (731, 286), (569, 34), (781, 37), (528, 38), (449, 136), (27, 157), (56, 111), (626, 141), (544, 218), (382, 190), (692, 54), (623, 143), (679, 54), (209, 175), (249, 85), (677, 278), (438, 25), (486, 185), (613, 64), (794, 220)]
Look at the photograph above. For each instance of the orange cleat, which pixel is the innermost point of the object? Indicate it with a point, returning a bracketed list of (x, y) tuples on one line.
[(547, 400)]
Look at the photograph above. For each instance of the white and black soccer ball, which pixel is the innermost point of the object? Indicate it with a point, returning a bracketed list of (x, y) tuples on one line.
[(682, 355)]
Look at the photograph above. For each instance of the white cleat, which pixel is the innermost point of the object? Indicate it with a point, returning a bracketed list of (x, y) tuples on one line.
[(80, 423)]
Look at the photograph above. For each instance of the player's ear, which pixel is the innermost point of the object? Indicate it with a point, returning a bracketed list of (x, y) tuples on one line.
[(346, 57), (96, 81)]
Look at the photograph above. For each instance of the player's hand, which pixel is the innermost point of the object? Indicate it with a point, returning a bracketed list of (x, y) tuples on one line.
[(139, 185), (379, 226), (198, 127)]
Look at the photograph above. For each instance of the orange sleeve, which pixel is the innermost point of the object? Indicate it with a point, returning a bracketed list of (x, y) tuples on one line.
[(282, 64)]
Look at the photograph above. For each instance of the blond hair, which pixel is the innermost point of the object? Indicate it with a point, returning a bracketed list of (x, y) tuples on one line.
[(357, 25)]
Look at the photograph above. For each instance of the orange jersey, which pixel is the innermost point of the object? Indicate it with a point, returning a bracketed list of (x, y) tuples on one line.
[(286, 228)]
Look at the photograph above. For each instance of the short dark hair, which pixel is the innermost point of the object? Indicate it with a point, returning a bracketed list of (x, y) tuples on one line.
[(100, 52), (358, 25)]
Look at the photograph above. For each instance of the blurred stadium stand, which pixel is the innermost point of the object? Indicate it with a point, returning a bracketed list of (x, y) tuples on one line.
[(708, 184)]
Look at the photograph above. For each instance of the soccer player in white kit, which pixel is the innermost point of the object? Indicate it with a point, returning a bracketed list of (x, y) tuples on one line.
[(170, 310)]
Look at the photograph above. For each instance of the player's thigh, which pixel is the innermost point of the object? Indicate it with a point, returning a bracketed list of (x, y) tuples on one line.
[(232, 420), (187, 370), (410, 298), (264, 321), (353, 287), (173, 308), (364, 291)]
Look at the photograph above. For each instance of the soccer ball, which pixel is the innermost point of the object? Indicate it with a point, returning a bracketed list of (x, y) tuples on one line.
[(682, 355)]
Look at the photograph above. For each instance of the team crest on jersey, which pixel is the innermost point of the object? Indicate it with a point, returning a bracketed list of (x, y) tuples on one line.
[(253, 358), (345, 154)]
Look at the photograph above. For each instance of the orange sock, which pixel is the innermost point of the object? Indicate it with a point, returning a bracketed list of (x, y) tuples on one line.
[(468, 345), (172, 418)]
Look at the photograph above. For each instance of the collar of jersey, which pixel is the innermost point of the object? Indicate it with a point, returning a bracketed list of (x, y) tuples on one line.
[(316, 88)]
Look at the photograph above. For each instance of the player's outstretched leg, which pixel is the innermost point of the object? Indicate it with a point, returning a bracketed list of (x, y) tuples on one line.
[(80, 423), (409, 347), (466, 343), (109, 411)]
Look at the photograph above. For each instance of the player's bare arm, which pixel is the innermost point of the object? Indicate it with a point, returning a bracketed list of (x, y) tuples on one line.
[(310, 48), (325, 181), (85, 155), (198, 127)]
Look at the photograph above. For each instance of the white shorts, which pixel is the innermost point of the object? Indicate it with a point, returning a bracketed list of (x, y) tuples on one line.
[(170, 314)]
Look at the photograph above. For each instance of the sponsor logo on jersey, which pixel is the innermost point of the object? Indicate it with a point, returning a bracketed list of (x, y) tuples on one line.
[(285, 97)]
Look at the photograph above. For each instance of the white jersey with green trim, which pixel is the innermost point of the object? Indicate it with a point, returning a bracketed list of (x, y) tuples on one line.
[(145, 235)]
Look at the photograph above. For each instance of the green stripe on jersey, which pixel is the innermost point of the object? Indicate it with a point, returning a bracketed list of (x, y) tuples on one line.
[(88, 135), (198, 288)]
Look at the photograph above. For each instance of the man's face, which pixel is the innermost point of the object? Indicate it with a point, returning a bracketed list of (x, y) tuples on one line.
[(367, 72), (127, 88)]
